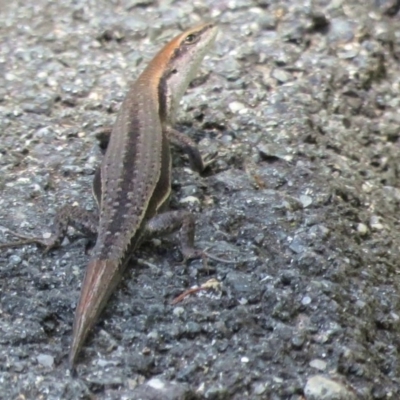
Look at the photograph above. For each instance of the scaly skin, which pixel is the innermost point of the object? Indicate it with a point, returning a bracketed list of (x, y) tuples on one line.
[(133, 182)]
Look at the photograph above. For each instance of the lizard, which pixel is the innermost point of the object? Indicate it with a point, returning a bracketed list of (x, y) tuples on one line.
[(133, 183)]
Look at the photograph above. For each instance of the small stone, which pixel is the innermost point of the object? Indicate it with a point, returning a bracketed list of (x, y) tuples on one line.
[(281, 75), (226, 139), (305, 200), (394, 316), (153, 335), (375, 223), (146, 351), (104, 363), (306, 300), (236, 106), (15, 260), (318, 387), (46, 360), (297, 245), (270, 151), (260, 388), (347, 52), (318, 364), (193, 328), (190, 199), (19, 367), (156, 383), (360, 304), (157, 388), (362, 229), (298, 341), (267, 22), (259, 238), (367, 187), (178, 311), (244, 360)]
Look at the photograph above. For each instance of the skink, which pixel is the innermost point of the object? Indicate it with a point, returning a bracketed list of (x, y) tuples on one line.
[(133, 182)]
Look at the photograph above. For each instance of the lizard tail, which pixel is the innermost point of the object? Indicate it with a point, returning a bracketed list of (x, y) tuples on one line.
[(101, 277)]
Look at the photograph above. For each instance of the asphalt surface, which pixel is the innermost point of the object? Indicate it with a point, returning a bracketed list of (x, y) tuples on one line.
[(300, 102)]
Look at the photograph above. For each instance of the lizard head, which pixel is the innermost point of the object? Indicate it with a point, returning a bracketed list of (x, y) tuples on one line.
[(182, 57)]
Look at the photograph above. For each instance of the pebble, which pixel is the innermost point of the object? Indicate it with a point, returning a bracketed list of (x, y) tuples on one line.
[(298, 341), (297, 245), (305, 200), (318, 364), (153, 335), (318, 387), (15, 260), (190, 199), (375, 223), (362, 229), (260, 388), (236, 106), (46, 360), (281, 75), (178, 311), (104, 363)]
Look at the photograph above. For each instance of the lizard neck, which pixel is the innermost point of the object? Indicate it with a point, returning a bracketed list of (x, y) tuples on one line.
[(174, 67)]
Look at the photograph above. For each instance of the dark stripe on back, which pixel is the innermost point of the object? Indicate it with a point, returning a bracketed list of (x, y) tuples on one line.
[(162, 97), (141, 157)]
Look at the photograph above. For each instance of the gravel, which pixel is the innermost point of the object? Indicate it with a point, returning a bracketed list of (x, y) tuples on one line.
[(300, 102)]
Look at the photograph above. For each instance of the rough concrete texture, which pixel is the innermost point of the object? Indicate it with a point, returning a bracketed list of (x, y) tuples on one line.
[(301, 101)]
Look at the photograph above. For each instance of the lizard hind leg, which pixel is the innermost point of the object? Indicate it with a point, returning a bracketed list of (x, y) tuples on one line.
[(171, 221), (79, 218)]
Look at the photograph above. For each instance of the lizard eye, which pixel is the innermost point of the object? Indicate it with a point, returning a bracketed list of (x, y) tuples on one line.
[(190, 39)]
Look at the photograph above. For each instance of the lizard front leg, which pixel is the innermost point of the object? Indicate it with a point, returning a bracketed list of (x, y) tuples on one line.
[(186, 144)]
